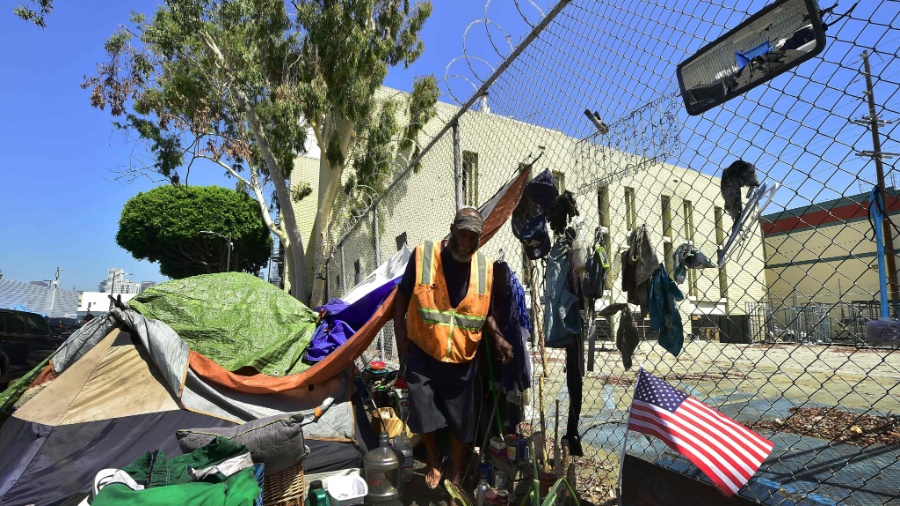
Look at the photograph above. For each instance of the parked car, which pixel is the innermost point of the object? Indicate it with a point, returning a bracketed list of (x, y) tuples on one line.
[(25, 341), (63, 327)]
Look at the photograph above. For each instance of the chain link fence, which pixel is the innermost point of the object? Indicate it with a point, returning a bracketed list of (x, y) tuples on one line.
[(775, 338)]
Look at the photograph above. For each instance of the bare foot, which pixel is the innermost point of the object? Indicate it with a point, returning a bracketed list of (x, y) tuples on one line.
[(433, 475)]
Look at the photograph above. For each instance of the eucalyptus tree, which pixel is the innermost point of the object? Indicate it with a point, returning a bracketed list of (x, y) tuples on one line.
[(242, 83)]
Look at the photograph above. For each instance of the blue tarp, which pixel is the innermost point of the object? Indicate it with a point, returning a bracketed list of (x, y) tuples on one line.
[(20, 307)]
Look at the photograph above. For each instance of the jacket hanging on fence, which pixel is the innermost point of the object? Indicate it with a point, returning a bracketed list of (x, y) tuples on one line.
[(521, 304), (506, 313), (638, 264), (562, 311), (664, 315)]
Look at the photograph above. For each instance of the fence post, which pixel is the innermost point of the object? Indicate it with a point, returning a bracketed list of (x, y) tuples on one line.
[(457, 165), (343, 271), (377, 245)]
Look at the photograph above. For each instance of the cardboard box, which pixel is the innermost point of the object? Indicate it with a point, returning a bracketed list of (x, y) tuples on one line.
[(392, 423)]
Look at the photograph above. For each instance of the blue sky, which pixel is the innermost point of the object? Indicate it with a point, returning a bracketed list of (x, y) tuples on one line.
[(60, 201)]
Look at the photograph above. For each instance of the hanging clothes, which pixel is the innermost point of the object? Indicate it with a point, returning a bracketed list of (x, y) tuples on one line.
[(595, 273), (506, 314), (664, 315), (521, 304), (738, 174), (688, 257), (562, 312), (639, 263), (575, 384), (627, 339)]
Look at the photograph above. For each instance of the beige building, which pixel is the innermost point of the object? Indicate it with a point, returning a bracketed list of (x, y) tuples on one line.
[(614, 190), (825, 253)]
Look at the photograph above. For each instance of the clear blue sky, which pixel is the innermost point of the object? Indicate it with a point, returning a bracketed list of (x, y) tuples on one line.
[(60, 201)]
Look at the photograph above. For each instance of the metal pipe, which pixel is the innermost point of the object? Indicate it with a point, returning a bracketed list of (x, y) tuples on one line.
[(457, 166)]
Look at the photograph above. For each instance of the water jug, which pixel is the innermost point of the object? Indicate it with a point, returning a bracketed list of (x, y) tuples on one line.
[(317, 495), (404, 446), (382, 474)]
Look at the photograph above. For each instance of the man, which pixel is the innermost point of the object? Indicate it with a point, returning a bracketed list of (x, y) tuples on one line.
[(445, 295)]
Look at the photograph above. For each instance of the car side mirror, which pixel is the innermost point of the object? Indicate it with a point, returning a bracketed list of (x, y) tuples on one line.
[(771, 42)]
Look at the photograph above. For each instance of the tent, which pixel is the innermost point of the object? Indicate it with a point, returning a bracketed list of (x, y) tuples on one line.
[(125, 382)]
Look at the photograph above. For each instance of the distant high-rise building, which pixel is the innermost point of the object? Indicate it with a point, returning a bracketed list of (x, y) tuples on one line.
[(147, 284), (113, 276)]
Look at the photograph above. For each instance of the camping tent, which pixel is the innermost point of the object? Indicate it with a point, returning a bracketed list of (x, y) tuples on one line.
[(124, 383)]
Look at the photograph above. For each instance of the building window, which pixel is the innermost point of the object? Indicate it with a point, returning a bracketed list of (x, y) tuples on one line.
[(401, 240), (630, 209), (689, 235), (720, 243), (470, 178), (560, 178), (666, 204), (603, 212)]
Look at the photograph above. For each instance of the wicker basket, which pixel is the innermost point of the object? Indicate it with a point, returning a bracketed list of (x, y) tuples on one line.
[(285, 488)]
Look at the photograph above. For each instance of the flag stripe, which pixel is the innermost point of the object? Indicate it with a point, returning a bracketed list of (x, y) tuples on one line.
[(719, 480), (761, 445), (698, 445), (726, 451), (735, 439), (742, 455)]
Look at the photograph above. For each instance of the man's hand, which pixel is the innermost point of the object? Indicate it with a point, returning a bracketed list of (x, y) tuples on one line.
[(504, 350)]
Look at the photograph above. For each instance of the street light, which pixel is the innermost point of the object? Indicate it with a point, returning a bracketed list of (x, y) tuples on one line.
[(229, 243)]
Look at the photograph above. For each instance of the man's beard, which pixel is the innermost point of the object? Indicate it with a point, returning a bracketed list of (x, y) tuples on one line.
[(452, 248)]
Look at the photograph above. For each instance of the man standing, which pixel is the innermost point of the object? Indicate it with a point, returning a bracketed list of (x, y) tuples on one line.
[(445, 295)]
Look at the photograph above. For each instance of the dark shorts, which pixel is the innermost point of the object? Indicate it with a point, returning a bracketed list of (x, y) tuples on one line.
[(434, 406)]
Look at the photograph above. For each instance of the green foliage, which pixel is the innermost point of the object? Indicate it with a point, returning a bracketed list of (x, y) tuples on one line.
[(242, 82), (35, 14), (164, 224)]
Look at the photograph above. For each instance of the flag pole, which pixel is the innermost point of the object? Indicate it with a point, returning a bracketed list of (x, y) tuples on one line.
[(625, 439)]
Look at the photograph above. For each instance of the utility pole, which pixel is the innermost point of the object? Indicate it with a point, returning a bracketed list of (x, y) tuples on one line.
[(871, 121)]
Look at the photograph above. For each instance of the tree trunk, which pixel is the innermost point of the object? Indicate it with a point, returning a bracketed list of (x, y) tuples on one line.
[(329, 183), (294, 248)]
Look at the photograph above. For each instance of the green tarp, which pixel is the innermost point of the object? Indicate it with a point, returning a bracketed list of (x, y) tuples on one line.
[(235, 319)]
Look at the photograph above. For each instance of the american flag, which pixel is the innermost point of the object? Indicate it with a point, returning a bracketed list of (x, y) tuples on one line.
[(726, 451)]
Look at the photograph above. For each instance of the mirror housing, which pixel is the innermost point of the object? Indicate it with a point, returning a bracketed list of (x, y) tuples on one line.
[(769, 43)]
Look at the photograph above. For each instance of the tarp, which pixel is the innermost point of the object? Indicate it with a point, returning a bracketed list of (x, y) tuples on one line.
[(20, 307), (252, 323)]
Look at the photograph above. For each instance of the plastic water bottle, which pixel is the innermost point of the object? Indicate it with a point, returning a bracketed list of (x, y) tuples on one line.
[(481, 492), (403, 445)]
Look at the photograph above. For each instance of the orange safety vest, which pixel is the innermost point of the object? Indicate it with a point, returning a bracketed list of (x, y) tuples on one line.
[(448, 334)]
